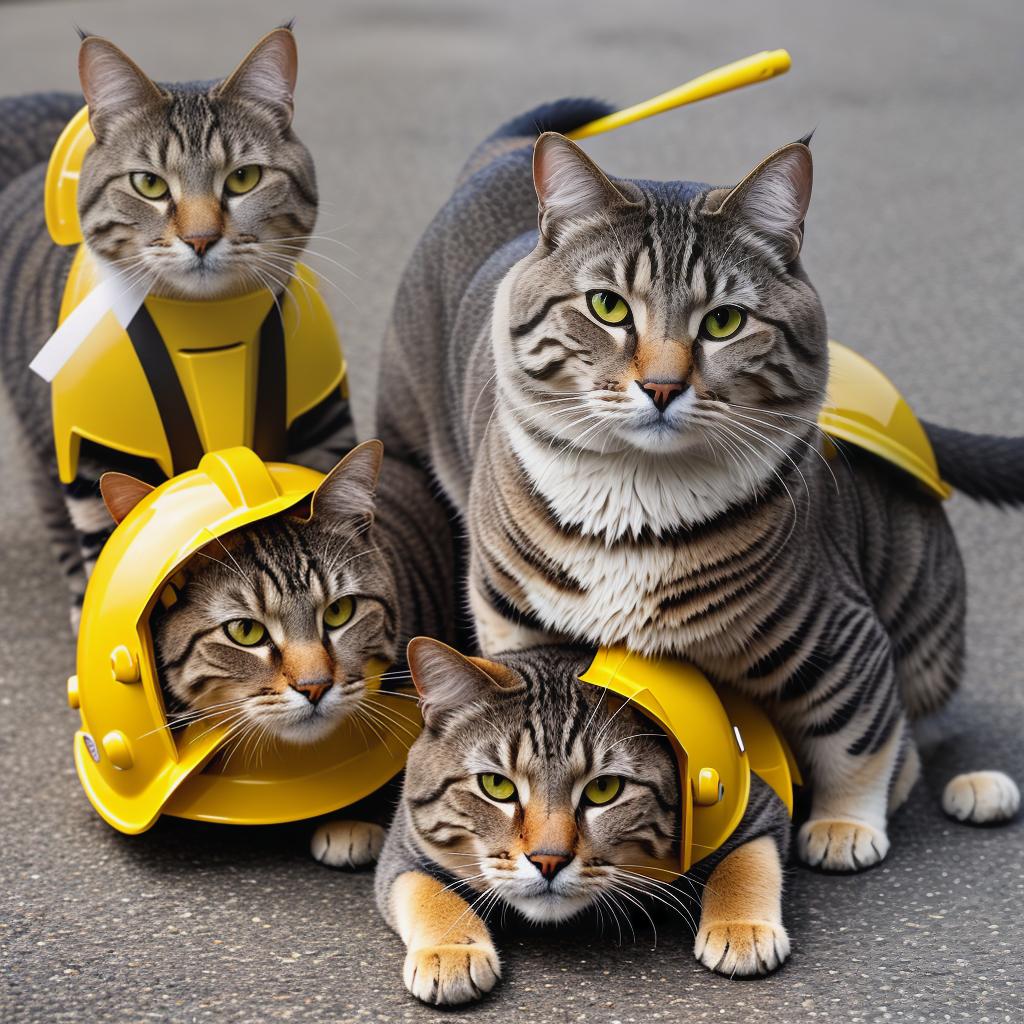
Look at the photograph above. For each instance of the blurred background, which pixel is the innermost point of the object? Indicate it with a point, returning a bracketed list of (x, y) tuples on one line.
[(914, 240)]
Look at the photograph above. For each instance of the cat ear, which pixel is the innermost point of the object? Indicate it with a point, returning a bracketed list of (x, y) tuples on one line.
[(112, 82), (121, 493), (267, 75), (346, 494), (772, 200), (447, 680), (569, 184)]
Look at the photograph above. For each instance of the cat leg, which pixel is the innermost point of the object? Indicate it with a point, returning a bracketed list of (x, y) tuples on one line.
[(450, 957), (905, 778), (981, 798), (851, 789), (496, 631), (347, 844), (741, 931)]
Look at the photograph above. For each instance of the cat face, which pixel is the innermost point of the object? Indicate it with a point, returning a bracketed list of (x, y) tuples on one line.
[(534, 786), (199, 191), (663, 318), (273, 629)]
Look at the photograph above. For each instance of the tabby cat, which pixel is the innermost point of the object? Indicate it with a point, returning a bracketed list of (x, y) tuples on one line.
[(622, 405), (532, 791), (274, 625), (201, 191)]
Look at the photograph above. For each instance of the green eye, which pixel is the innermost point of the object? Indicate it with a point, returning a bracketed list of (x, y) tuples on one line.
[(337, 613), (602, 790), (243, 180), (246, 632), (497, 787), (609, 308), (723, 322), (150, 186)]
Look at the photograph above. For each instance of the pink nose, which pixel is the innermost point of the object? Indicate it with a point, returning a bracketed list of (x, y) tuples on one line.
[(313, 689), (549, 864), (662, 392), (201, 242)]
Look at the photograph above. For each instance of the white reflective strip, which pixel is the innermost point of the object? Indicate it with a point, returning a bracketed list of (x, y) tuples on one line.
[(739, 739), (110, 294)]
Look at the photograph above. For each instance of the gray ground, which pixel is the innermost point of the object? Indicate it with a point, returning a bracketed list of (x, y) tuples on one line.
[(915, 242)]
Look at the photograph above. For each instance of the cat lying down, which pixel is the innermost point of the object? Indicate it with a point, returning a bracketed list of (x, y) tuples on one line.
[(529, 789)]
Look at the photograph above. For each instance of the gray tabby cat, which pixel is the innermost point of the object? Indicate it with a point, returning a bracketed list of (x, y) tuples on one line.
[(530, 790), (622, 406), (273, 627), (202, 191)]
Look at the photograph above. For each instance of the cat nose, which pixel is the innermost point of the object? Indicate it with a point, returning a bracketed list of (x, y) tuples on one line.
[(312, 689), (549, 864), (662, 392), (201, 242)]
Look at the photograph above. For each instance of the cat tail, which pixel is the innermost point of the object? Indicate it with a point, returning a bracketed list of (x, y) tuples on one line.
[(985, 467), (29, 127), (558, 116)]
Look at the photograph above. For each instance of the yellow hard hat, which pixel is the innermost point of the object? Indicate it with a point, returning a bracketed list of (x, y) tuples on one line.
[(719, 738), (131, 764)]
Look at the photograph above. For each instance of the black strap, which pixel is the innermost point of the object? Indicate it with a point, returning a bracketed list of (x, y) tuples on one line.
[(171, 403), (270, 433)]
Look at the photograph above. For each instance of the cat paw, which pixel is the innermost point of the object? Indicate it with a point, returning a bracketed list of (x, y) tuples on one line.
[(836, 845), (742, 949), (347, 844), (981, 798), (453, 974)]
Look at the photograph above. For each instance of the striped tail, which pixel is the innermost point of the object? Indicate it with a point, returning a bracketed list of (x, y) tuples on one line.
[(985, 467), (29, 127)]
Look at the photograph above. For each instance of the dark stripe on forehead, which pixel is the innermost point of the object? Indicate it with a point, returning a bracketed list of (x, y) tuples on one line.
[(529, 325)]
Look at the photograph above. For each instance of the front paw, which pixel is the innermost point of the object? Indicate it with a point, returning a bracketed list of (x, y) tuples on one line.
[(347, 844), (833, 844), (449, 975), (742, 948), (981, 798)]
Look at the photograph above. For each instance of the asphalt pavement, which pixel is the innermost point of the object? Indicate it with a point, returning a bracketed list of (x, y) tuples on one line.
[(914, 240)]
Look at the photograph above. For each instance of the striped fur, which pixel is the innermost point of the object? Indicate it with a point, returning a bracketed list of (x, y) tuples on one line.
[(192, 136), (545, 853), (711, 526)]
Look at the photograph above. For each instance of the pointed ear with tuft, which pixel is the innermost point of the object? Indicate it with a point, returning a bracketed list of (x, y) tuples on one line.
[(447, 681), (772, 200), (112, 83), (267, 75), (346, 494), (121, 493), (569, 185)]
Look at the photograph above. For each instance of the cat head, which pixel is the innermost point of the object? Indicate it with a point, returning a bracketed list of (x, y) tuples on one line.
[(663, 318), (201, 191), (274, 626), (533, 785)]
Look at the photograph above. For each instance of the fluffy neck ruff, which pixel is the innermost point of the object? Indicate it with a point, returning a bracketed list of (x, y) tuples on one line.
[(629, 492)]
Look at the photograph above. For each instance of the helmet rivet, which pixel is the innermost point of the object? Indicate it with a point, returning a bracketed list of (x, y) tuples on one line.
[(115, 746), (708, 789), (73, 692), (124, 665)]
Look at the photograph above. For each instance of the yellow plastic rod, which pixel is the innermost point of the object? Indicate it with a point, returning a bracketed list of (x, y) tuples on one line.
[(757, 68)]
